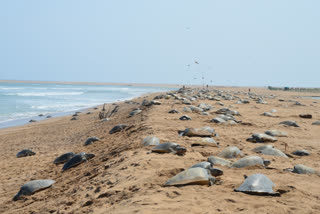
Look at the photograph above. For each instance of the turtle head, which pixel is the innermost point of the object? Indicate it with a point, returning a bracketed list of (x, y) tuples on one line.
[(180, 150), (89, 156), (17, 196), (266, 162), (215, 172)]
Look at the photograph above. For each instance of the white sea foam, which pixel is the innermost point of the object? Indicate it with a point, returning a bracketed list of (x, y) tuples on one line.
[(25, 101), (43, 94)]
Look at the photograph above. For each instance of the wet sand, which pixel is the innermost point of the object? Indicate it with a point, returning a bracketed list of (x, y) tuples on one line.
[(124, 178)]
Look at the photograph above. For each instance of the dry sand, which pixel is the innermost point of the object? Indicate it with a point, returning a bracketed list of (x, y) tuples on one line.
[(124, 178)]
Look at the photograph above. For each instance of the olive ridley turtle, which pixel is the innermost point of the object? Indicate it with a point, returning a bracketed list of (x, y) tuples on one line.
[(250, 161), (170, 147), (151, 141), (64, 158), (25, 153), (117, 128), (302, 169), (219, 161), (77, 159), (257, 184), (261, 138), (197, 175), (91, 140), (289, 123), (231, 152), (209, 166), (33, 186)]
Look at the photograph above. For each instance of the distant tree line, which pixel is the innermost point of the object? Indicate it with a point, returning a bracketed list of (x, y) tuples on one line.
[(294, 89)]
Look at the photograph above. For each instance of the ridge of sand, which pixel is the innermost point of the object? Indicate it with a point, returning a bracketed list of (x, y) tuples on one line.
[(123, 178)]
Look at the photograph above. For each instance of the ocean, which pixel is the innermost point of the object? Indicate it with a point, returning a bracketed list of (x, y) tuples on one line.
[(21, 102)]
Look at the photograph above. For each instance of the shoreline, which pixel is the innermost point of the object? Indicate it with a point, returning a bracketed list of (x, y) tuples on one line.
[(25, 121), (92, 83)]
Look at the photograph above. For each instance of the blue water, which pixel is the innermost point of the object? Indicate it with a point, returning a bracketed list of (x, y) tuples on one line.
[(23, 101)]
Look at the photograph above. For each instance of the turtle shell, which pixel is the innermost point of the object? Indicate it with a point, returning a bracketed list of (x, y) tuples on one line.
[(257, 184), (195, 175), (33, 186)]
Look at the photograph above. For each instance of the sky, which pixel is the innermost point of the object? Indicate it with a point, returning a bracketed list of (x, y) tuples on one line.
[(229, 42)]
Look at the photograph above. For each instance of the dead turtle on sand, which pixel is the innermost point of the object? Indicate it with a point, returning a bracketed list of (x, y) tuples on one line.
[(219, 161), (257, 184), (302, 169), (33, 186), (151, 141), (197, 175), (231, 152), (91, 140), (77, 159), (261, 138), (169, 147), (25, 153), (209, 166), (206, 131), (289, 123), (276, 133), (270, 150), (117, 128), (64, 158), (250, 161)]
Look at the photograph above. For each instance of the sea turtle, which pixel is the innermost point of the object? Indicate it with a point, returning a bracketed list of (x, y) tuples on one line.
[(195, 109), (146, 103), (169, 147), (250, 161), (74, 118), (301, 153), (260, 148), (231, 152), (257, 184), (205, 107), (77, 159), (207, 165), (25, 153), (151, 141), (197, 175), (219, 161), (218, 120), (306, 116), (302, 169), (117, 128), (33, 186), (268, 114), (206, 141), (173, 111), (261, 138), (134, 112), (91, 140), (276, 133), (187, 109), (270, 150), (185, 117), (201, 132), (64, 158), (155, 102), (289, 123), (317, 123)]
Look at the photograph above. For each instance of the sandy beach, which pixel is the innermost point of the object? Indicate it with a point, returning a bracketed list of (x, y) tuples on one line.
[(124, 177)]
